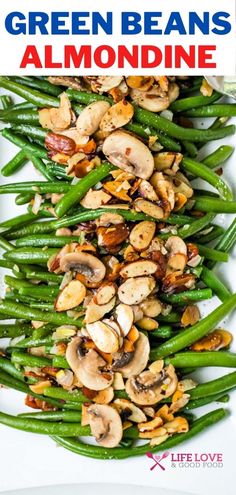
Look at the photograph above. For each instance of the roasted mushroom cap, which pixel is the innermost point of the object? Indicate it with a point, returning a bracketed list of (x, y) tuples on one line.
[(149, 388), (87, 368), (137, 361), (129, 153), (86, 264), (105, 424)]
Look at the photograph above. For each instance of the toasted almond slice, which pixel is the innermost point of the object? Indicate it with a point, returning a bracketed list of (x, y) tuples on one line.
[(147, 324), (138, 268), (125, 318), (143, 83), (190, 316), (104, 336), (71, 296), (136, 290), (39, 387), (90, 118), (154, 100), (142, 234), (116, 189), (213, 341), (151, 308), (104, 396), (117, 116), (95, 311), (151, 209), (94, 199), (153, 433), (178, 425), (118, 382), (147, 191), (150, 425), (105, 293), (158, 440), (85, 416), (157, 366), (126, 406)]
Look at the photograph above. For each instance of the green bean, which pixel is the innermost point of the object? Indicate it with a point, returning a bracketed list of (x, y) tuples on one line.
[(18, 221), (14, 164), (187, 296), (218, 157), (40, 292), (195, 332), (200, 170), (190, 148), (18, 310), (32, 342), (212, 254), (6, 101), (25, 359), (172, 317), (217, 110), (195, 86), (193, 404), (75, 194), (162, 332), (43, 427), (30, 131), (219, 122), (40, 187), (33, 96), (86, 98), (219, 385), (202, 359), (226, 242), (6, 245), (41, 84), (23, 198), (145, 132), (194, 102), (44, 276), (60, 393), (215, 233), (58, 171), (15, 330), (97, 452), (217, 286), (15, 283), (47, 240), (6, 264), (9, 368), (60, 362), (190, 229), (24, 143), (67, 416), (30, 255), (207, 204), (25, 116), (41, 167)]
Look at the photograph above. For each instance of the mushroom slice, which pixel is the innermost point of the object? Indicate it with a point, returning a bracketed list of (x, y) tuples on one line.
[(151, 209), (90, 118), (71, 296), (142, 234), (104, 337), (138, 268), (129, 153), (94, 199), (129, 410), (139, 358), (87, 368), (154, 100), (136, 290), (117, 116), (95, 312), (149, 388), (125, 318), (105, 424), (88, 265), (105, 293)]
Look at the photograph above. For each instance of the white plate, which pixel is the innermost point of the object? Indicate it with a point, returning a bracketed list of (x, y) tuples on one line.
[(29, 460)]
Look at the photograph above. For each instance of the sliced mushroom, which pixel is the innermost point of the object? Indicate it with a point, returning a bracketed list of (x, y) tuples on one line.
[(129, 410), (105, 293), (88, 265), (88, 367), (136, 290), (151, 209), (149, 388), (137, 361), (71, 296), (138, 268), (105, 424), (90, 118), (142, 234), (95, 312), (117, 116), (154, 100), (94, 199), (104, 336), (129, 153), (125, 318)]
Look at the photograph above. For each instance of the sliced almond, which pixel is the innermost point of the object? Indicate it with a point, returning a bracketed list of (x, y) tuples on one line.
[(143, 83), (151, 209), (105, 293), (213, 341), (150, 425), (90, 118), (142, 234), (160, 439), (118, 382), (39, 387), (95, 311), (135, 290), (138, 269), (94, 199), (132, 412), (148, 324), (116, 188), (71, 296), (190, 316), (104, 396), (125, 318), (147, 191), (151, 307), (117, 116), (104, 336), (154, 100)]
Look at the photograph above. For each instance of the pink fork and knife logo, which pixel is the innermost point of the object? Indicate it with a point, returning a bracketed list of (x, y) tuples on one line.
[(157, 460)]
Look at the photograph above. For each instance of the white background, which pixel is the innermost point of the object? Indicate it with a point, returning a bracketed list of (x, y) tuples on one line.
[(29, 460), (13, 47)]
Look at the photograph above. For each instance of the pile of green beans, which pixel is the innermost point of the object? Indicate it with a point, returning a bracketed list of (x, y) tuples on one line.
[(30, 240)]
